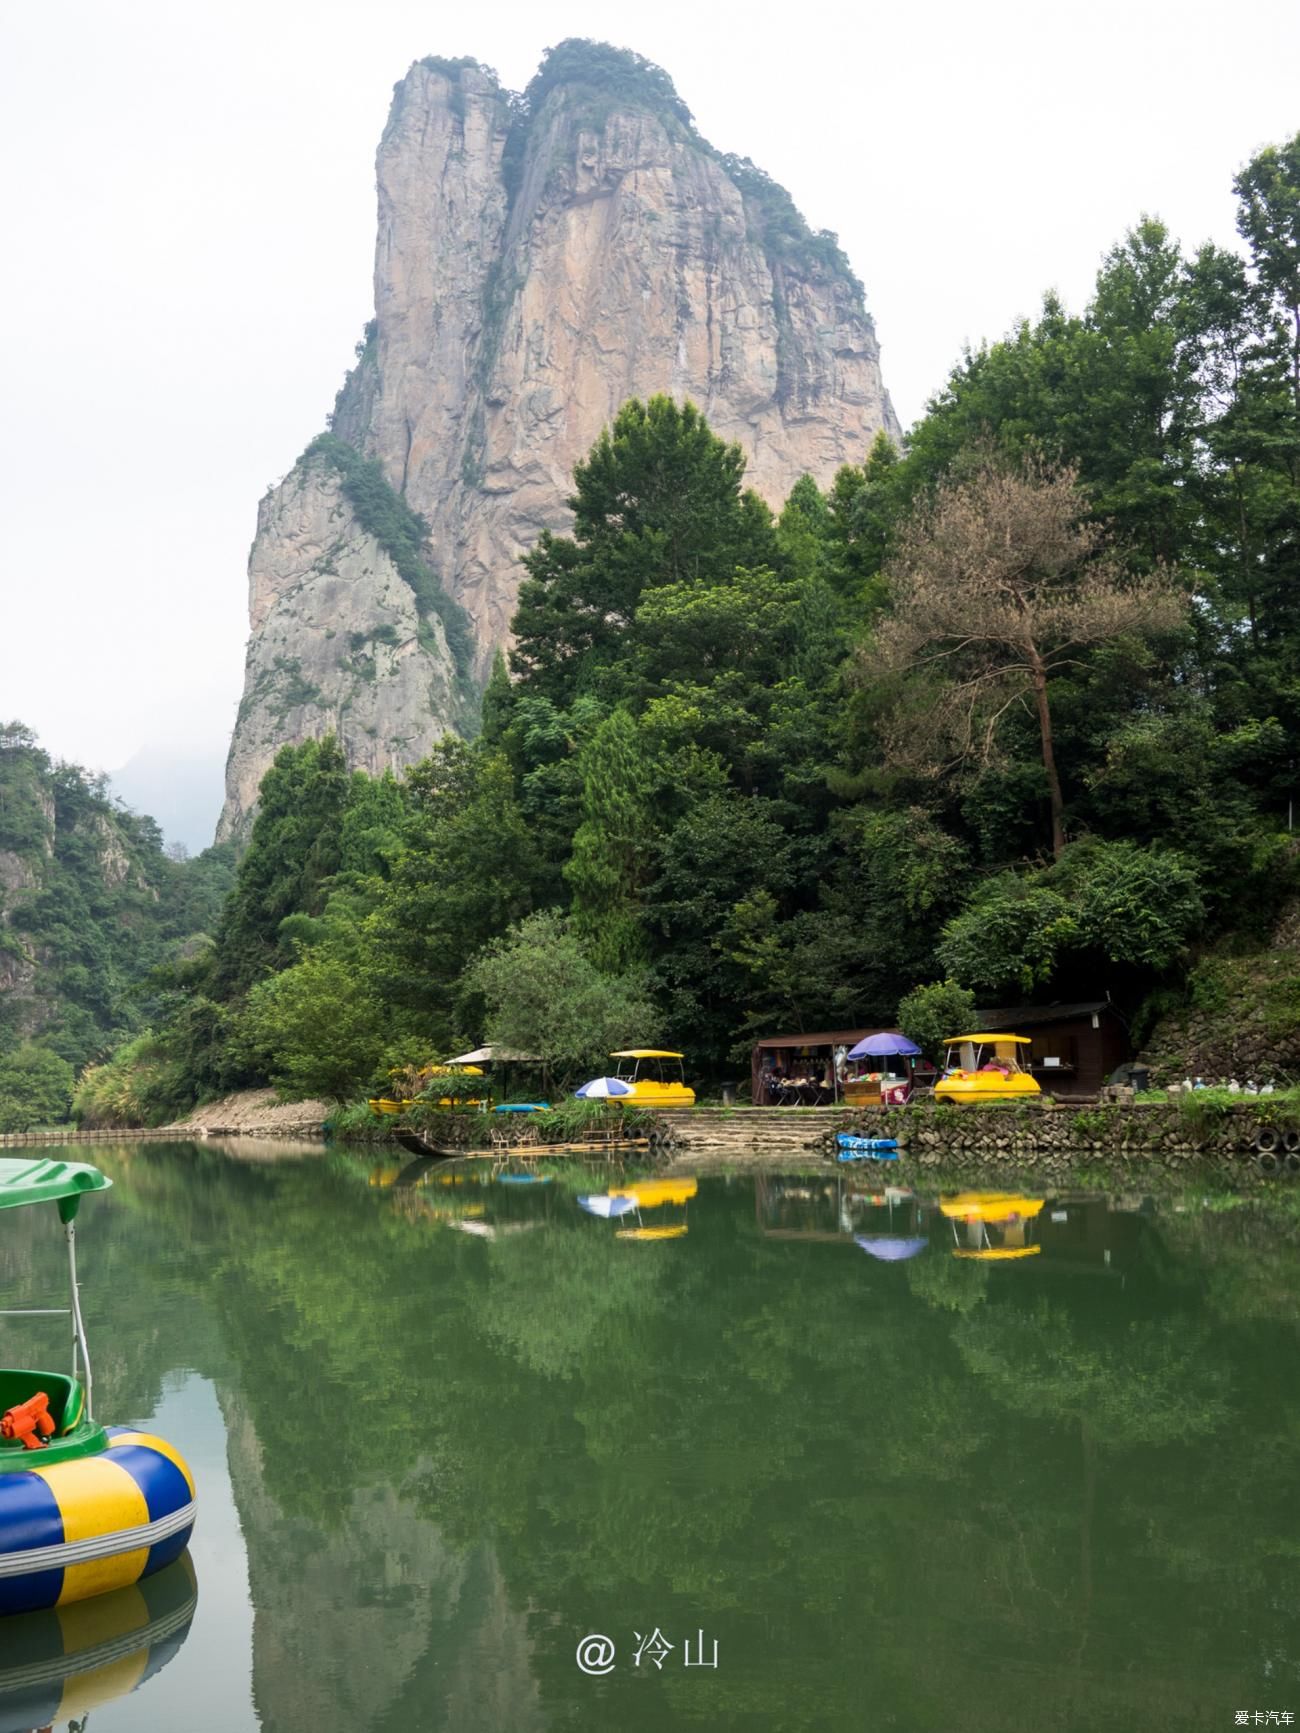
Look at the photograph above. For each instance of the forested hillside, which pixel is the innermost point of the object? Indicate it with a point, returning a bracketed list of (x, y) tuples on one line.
[(89, 905), (1014, 707)]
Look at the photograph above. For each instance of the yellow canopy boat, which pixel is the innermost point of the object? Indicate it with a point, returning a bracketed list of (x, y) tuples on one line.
[(985, 1068), (388, 1104), (655, 1076)]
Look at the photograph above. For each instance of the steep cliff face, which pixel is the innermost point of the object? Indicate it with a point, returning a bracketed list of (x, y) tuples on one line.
[(539, 261), (338, 643)]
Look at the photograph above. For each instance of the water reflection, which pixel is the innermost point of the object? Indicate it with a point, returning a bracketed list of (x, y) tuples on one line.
[(992, 1225), (839, 1469), (1081, 1232), (56, 1666)]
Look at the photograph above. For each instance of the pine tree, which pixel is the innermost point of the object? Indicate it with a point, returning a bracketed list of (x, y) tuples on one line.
[(613, 847)]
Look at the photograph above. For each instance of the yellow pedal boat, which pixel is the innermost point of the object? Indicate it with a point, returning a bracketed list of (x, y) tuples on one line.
[(655, 1077), (986, 1068)]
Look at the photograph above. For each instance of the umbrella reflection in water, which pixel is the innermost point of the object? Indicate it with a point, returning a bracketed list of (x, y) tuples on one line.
[(603, 1204), (891, 1247), (646, 1194)]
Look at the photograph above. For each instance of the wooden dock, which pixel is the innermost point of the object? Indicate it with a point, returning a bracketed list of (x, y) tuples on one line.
[(44, 1139)]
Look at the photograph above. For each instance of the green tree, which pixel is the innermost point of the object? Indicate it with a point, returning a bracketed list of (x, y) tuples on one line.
[(141, 1084), (865, 506), (314, 1029), (657, 501), (614, 847), (35, 1088), (933, 1014), (545, 996), (1103, 907), (467, 871), (804, 531), (294, 849)]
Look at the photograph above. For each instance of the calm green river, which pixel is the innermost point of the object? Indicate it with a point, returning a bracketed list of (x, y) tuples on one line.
[(446, 1429)]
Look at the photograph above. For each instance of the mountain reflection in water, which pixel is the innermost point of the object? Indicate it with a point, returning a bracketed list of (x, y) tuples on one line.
[(915, 1458)]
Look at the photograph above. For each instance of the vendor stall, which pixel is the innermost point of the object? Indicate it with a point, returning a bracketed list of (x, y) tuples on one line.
[(802, 1070)]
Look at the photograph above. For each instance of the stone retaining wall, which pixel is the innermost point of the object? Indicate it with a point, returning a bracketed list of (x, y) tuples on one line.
[(1056, 1139)]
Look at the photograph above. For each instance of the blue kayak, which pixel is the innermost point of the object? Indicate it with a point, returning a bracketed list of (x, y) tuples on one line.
[(866, 1148)]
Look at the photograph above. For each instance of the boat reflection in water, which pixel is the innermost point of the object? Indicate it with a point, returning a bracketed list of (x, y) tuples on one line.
[(998, 1225), (1064, 1233), (57, 1665), (671, 1195)]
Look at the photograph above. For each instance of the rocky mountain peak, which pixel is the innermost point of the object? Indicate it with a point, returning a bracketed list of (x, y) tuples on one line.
[(540, 258)]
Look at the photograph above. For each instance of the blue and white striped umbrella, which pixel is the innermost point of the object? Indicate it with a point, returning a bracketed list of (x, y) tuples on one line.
[(603, 1089)]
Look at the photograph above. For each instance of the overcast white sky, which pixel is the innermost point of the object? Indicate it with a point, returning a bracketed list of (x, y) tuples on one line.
[(188, 222)]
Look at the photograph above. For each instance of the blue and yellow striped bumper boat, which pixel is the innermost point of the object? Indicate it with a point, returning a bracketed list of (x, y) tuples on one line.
[(84, 1509), (81, 1527)]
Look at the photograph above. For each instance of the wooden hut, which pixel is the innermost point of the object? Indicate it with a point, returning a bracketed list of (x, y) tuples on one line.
[(1075, 1047)]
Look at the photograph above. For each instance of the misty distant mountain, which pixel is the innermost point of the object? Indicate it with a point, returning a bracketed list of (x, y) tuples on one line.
[(181, 791)]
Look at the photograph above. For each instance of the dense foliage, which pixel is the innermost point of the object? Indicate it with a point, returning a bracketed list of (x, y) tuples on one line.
[(90, 906), (1008, 714), (614, 72)]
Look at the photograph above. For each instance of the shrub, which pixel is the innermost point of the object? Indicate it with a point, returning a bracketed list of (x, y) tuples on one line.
[(930, 1015)]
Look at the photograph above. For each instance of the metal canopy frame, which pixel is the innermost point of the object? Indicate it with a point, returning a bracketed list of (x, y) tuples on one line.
[(80, 1349), (64, 1184)]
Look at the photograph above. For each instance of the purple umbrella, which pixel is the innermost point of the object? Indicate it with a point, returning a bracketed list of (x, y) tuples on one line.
[(883, 1045), (889, 1248)]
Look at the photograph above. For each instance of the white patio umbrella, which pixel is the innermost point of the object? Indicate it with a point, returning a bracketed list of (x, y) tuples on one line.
[(603, 1089)]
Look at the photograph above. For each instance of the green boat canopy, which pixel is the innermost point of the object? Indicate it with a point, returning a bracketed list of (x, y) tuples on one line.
[(61, 1182)]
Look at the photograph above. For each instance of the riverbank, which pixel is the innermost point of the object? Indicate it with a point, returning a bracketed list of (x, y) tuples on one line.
[(254, 1113), (1257, 1140)]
